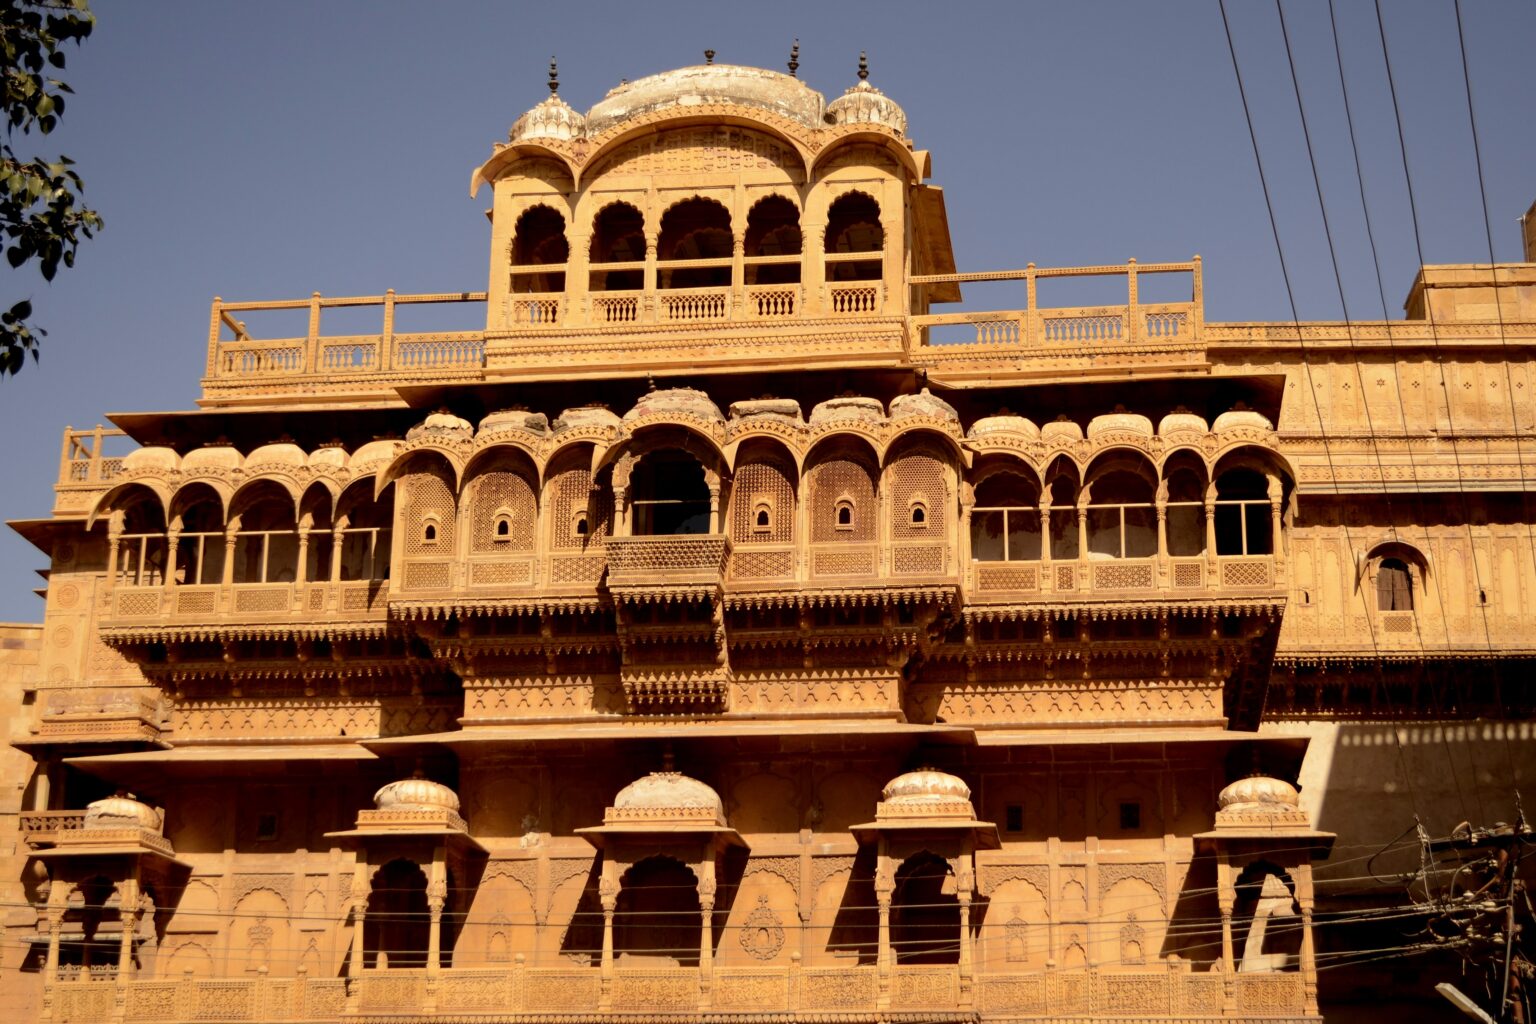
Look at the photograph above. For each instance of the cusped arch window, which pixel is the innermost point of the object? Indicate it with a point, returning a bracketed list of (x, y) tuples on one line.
[(855, 238), (670, 494), (694, 230), (1394, 586), (618, 236), (539, 252), (1005, 521), (773, 233), (1243, 513), (1122, 519)]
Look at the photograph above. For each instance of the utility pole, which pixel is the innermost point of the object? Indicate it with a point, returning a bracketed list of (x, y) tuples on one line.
[(1482, 919)]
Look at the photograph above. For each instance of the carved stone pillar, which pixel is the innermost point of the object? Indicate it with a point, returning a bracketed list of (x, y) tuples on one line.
[(714, 508), (172, 543), (964, 895), (128, 915), (739, 277), (649, 292), (1045, 532), (55, 928), (813, 266), (608, 895), (337, 539), (355, 961), (301, 568), (706, 933), (885, 887), (230, 532), (1210, 533), (1278, 541), (1082, 543), (1226, 897), (114, 541), (1302, 874)]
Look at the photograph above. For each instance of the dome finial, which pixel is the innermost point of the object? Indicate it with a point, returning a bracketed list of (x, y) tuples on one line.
[(794, 59), (554, 76), (709, 56), (863, 66)]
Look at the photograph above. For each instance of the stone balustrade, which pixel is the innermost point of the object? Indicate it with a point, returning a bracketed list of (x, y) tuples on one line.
[(937, 993)]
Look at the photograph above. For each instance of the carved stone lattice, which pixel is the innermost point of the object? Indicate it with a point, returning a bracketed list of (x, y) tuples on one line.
[(991, 876), (762, 486), (918, 478), (787, 868), (823, 868), (502, 496), (841, 478), (1152, 874), (762, 933), (242, 886), (427, 496)]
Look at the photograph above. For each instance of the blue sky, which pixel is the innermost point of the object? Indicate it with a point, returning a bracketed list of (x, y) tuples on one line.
[(261, 151)]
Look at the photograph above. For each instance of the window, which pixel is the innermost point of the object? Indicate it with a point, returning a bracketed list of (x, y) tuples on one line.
[(671, 495), (845, 514), (1122, 521), (580, 528), (1005, 524), (1013, 818), (1394, 586), (1242, 514), (266, 827), (919, 514), (762, 520), (429, 533), (1130, 815), (503, 528)]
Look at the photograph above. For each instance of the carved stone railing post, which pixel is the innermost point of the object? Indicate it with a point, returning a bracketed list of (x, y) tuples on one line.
[(1210, 539), (706, 935), (1305, 899), (312, 340), (1226, 898), (608, 895), (965, 943), (1133, 328), (386, 357), (648, 314), (885, 887), (114, 543), (172, 543)]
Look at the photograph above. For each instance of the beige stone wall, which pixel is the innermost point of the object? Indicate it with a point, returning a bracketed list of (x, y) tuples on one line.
[(20, 657)]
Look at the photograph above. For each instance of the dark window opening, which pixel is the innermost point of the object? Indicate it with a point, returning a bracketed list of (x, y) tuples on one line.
[(845, 516), (1394, 586), (429, 532), (695, 229), (266, 827), (853, 225), (671, 496), (1130, 815), (1013, 818), (618, 236)]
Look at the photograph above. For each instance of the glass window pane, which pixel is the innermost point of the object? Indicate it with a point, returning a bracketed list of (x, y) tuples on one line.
[(1140, 532), (1260, 533), (1023, 535), (1186, 530), (1103, 533), (1063, 533), (1229, 530), (987, 536)]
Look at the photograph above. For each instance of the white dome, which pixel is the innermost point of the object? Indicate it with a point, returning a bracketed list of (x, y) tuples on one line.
[(1182, 420), (440, 422), (416, 794), (864, 104), (1004, 423), (1061, 429), (670, 401), (213, 456), (1133, 422), (552, 119), (121, 811), (153, 457), (333, 455), (1259, 794), (283, 453), (372, 453), (1241, 418), (702, 84), (922, 404), (662, 796), (928, 784)]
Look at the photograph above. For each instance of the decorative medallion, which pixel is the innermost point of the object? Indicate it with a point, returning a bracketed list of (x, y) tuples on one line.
[(762, 935)]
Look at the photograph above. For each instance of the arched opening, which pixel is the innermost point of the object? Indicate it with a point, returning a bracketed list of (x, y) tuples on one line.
[(762, 496), (1122, 519), (539, 242), (200, 546), (842, 497), (397, 926), (773, 233), (1394, 586), (1265, 934), (365, 532), (93, 904), (267, 542), (1184, 477), (925, 912), (1005, 522), (1242, 513), (580, 511), (315, 528), (855, 239), (670, 495), (658, 916), (695, 229), (618, 236), (503, 506), (1061, 482), (141, 549)]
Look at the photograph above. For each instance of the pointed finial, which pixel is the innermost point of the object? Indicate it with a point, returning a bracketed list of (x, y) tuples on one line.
[(554, 76), (668, 762), (709, 56), (794, 59), (863, 67)]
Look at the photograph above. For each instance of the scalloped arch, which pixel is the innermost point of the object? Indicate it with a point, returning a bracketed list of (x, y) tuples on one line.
[(908, 159), (158, 490), (653, 122), (450, 459)]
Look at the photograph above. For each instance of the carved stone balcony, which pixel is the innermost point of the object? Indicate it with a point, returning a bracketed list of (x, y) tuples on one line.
[(98, 716), (41, 828), (791, 993), (1126, 579), (688, 563), (353, 602)]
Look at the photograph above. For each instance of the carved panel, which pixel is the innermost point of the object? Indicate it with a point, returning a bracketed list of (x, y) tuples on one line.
[(787, 868), (849, 989), (704, 150), (1154, 875)]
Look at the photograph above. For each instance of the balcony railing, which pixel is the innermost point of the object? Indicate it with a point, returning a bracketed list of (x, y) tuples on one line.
[(1005, 582), (682, 560), (234, 355), (851, 994), (245, 602), (1163, 324), (39, 828)]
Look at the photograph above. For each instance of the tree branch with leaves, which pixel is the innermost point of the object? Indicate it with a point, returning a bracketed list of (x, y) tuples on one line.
[(42, 217)]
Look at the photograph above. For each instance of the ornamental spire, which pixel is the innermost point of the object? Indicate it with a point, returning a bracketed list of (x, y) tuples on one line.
[(794, 59), (554, 77), (863, 67)]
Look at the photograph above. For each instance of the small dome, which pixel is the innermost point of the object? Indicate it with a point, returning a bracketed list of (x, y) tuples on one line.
[(1181, 420), (552, 119), (416, 794), (702, 84), (922, 404), (663, 795), (1133, 422), (864, 104), (676, 401), (925, 784), (852, 407), (1004, 423), (213, 456), (1259, 794), (441, 422), (1241, 418), (283, 454), (514, 419), (373, 453), (121, 811), (773, 408), (1061, 429), (153, 457), (586, 416), (333, 455)]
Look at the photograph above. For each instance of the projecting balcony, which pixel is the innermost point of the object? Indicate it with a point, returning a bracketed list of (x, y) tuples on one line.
[(667, 564), (937, 994), (1145, 579), (358, 601)]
